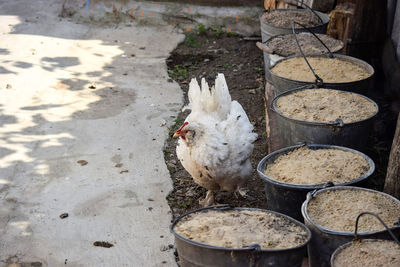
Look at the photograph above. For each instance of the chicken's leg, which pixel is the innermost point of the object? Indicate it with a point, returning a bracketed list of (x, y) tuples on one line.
[(208, 200)]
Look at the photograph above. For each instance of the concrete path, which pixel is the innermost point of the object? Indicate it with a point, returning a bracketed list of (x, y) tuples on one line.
[(96, 94)]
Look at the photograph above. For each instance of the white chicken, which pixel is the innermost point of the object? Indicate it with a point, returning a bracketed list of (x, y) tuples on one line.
[(216, 139)]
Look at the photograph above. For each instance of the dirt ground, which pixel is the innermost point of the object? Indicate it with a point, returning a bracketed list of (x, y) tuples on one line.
[(205, 53)]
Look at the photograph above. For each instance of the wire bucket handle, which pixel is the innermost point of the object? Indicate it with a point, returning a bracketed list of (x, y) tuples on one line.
[(380, 220), (301, 2), (318, 80)]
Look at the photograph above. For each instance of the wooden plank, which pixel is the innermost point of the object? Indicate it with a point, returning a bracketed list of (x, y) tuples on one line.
[(271, 124), (392, 182)]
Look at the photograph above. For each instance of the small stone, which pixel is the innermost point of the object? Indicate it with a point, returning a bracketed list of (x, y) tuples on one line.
[(170, 80), (64, 215), (118, 165), (92, 86), (163, 248), (82, 162), (206, 59), (171, 165), (150, 199), (163, 123), (252, 91)]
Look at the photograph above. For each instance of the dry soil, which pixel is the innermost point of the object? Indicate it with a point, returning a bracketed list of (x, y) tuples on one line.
[(285, 45)]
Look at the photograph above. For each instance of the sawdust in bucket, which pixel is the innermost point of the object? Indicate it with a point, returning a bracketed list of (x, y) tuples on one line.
[(337, 210), (368, 253), (240, 228), (330, 70), (285, 45), (307, 166), (325, 105), (284, 18)]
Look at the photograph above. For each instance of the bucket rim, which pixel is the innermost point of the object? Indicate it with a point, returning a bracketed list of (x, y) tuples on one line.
[(307, 218), (316, 123), (348, 244), (300, 187), (250, 248), (365, 64), (325, 18), (291, 34)]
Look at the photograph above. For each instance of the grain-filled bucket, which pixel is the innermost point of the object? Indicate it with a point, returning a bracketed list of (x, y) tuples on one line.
[(329, 70), (324, 116), (278, 21), (290, 173), (368, 252), (225, 236), (285, 45), (330, 214)]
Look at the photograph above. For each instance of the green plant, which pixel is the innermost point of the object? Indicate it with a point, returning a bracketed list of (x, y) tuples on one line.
[(257, 69), (179, 73), (201, 30), (232, 34), (228, 66), (218, 32), (191, 41)]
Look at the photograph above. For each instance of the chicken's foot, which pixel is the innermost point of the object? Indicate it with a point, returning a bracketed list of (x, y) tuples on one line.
[(240, 191), (208, 200)]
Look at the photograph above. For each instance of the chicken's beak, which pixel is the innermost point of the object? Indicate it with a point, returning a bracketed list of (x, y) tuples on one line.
[(179, 131)]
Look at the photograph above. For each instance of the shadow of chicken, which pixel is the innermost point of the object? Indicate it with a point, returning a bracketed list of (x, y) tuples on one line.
[(216, 140)]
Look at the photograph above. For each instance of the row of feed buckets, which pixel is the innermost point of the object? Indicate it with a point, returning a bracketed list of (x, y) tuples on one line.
[(291, 201)]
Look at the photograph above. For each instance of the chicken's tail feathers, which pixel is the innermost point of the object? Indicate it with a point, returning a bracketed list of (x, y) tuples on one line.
[(222, 96), (215, 101), (194, 95)]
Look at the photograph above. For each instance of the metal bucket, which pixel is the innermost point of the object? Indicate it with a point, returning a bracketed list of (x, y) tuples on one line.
[(345, 246), (268, 31), (270, 58), (377, 242), (288, 198), (324, 241), (294, 131), (192, 253), (283, 84)]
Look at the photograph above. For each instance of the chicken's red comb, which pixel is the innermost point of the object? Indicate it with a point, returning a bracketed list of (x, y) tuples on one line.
[(183, 125)]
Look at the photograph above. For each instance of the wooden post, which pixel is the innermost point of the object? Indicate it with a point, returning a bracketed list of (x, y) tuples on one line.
[(392, 181), (273, 140)]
